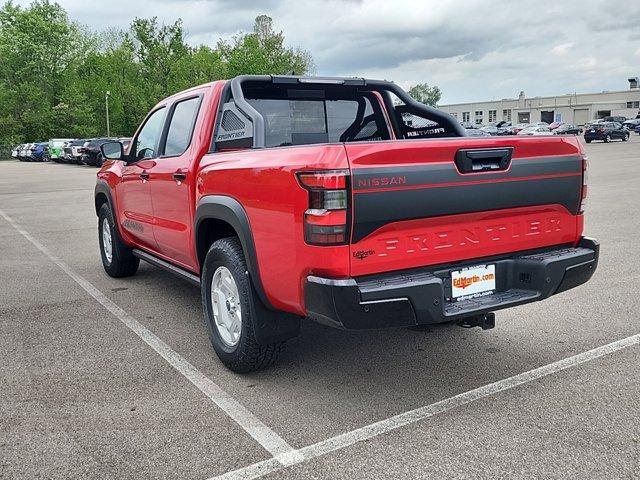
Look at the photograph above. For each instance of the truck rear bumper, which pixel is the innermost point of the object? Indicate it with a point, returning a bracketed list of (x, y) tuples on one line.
[(423, 296)]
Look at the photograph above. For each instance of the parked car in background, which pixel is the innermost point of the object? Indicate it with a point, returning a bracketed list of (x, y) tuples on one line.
[(537, 130), (20, 155), (631, 124), (491, 130), (593, 122), (606, 131), (15, 150), (637, 129), (476, 132), (40, 152), (513, 130), (554, 125), (91, 154), (467, 125), (55, 148), (567, 129), (615, 119), (72, 151), (26, 152)]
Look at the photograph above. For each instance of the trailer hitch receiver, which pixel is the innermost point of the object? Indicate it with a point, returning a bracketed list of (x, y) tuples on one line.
[(486, 321)]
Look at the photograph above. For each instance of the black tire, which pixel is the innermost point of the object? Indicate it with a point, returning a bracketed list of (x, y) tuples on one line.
[(99, 160), (247, 355), (625, 138), (588, 141), (122, 263), (607, 139)]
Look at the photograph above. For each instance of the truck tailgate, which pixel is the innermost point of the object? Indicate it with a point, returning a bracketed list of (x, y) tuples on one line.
[(414, 205)]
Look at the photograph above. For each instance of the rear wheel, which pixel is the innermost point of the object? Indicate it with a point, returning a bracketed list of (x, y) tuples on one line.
[(99, 160), (228, 301), (625, 138), (117, 259)]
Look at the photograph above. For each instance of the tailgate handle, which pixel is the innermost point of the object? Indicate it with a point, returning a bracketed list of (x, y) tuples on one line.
[(483, 160)]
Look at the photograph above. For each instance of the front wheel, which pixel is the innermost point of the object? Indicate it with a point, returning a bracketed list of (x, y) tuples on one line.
[(625, 138), (229, 301), (117, 259), (607, 139), (588, 141)]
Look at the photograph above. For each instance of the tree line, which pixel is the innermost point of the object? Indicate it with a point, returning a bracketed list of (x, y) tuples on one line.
[(55, 73)]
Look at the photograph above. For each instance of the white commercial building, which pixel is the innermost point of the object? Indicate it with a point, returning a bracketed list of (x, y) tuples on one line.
[(576, 108)]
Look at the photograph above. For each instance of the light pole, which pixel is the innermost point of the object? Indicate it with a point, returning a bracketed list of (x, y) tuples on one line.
[(106, 101)]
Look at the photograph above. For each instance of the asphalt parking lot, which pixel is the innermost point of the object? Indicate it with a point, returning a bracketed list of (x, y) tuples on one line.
[(85, 393)]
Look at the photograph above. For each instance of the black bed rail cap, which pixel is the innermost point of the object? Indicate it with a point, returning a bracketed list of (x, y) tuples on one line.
[(292, 79)]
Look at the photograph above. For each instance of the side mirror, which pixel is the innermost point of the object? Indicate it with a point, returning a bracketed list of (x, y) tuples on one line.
[(112, 150)]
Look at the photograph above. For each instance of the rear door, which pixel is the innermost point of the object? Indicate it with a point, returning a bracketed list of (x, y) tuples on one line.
[(171, 184), (427, 202)]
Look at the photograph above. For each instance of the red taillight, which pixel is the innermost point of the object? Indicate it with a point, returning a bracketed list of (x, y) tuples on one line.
[(585, 177), (329, 179), (326, 219)]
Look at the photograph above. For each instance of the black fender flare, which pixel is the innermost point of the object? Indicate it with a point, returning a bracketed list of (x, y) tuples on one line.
[(228, 209), (271, 325)]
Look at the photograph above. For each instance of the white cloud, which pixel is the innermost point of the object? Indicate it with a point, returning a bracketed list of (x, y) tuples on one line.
[(474, 51), (563, 48)]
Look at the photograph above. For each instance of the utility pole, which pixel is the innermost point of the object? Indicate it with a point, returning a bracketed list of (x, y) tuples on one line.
[(106, 101)]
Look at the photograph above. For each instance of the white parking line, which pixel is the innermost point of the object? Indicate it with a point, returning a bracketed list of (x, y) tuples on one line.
[(266, 437), (347, 439)]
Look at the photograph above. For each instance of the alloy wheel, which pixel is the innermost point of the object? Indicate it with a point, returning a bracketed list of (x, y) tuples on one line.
[(225, 304)]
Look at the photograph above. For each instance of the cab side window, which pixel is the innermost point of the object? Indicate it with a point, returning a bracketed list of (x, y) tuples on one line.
[(146, 144), (181, 127)]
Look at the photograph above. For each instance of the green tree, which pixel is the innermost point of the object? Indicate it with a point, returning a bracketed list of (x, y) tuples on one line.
[(423, 93), (263, 52), (39, 47), (54, 73)]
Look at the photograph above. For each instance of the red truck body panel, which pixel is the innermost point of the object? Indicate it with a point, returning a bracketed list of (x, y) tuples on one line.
[(264, 183), (482, 231)]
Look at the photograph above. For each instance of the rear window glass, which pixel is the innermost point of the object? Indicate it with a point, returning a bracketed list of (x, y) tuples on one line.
[(181, 126), (307, 121)]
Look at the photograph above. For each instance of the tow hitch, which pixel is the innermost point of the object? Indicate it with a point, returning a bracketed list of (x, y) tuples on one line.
[(485, 321)]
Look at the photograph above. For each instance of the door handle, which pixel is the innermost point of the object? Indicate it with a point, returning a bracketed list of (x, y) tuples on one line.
[(144, 176), (179, 176)]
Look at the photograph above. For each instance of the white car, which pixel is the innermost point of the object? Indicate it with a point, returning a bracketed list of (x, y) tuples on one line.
[(25, 153), (535, 130)]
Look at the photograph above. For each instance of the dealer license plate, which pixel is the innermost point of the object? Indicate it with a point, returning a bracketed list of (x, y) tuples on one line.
[(473, 282)]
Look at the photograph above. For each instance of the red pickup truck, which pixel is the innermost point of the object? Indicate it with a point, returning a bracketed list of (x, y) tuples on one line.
[(342, 200)]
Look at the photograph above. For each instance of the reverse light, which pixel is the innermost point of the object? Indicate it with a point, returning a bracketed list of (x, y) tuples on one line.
[(325, 221), (585, 178)]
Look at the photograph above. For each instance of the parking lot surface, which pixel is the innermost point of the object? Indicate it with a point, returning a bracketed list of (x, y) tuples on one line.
[(89, 392)]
